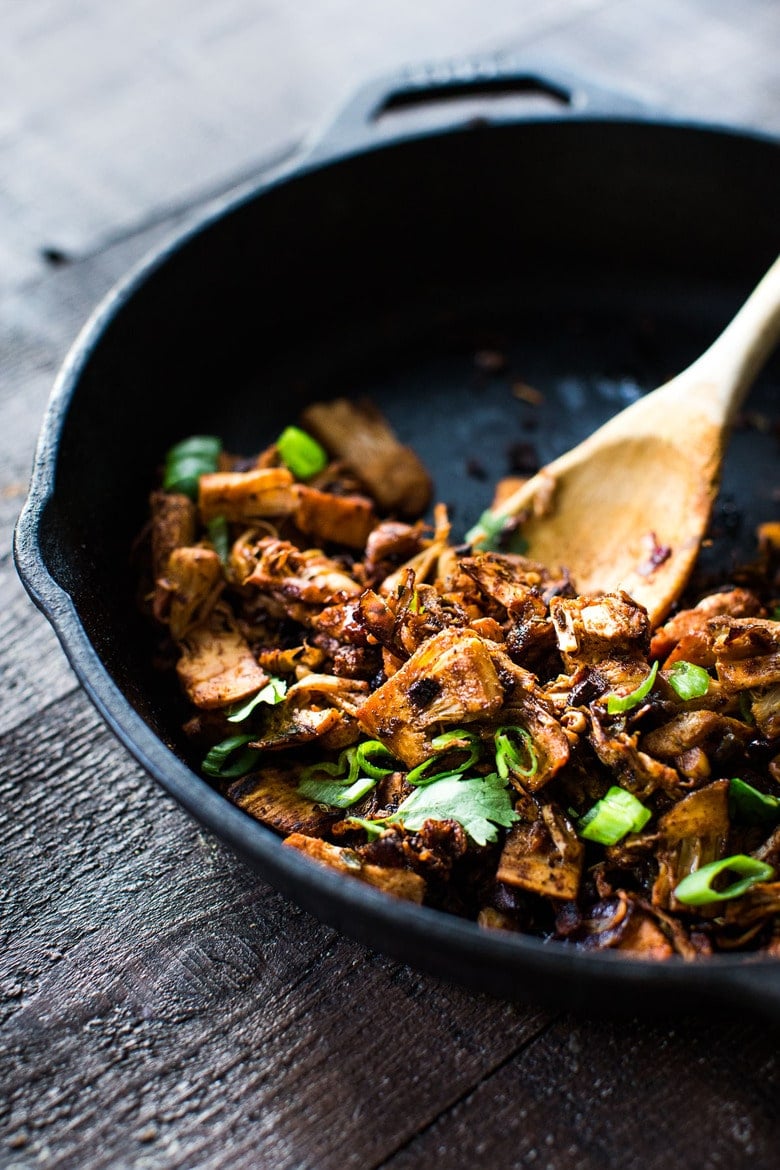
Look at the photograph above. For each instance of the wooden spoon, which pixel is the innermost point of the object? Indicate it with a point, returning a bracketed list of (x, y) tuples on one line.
[(628, 507)]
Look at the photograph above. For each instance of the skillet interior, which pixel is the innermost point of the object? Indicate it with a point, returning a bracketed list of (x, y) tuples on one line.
[(599, 256)]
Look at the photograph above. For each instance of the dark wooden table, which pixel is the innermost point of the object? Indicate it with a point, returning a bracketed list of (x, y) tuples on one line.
[(161, 1006)]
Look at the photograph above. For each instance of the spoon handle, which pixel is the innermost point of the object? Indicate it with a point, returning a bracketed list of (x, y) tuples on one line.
[(728, 368)]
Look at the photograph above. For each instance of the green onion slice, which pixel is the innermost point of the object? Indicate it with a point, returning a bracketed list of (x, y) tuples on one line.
[(366, 755), (373, 829), (613, 817), (272, 693), (486, 533), (750, 806), (618, 703), (447, 741), (184, 477), (415, 605), (300, 453), (520, 759), (219, 537), (216, 762), (490, 533), (207, 447), (343, 786), (688, 680), (345, 769), (746, 707), (188, 460), (333, 793), (696, 889)]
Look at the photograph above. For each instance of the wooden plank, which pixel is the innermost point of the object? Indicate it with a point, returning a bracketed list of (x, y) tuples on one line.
[(637, 1096), (158, 996), (117, 117), (26, 641)]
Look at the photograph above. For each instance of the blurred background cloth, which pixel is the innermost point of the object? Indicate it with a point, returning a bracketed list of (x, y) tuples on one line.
[(115, 115)]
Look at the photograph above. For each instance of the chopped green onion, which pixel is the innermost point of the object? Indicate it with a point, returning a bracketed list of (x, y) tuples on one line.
[(374, 829), (749, 805), (343, 787), (415, 605), (746, 707), (487, 531), (613, 817), (333, 793), (365, 756), (417, 774), (447, 741), (776, 614), (493, 532), (207, 447), (272, 693), (216, 762), (688, 680), (522, 762), (345, 768), (219, 537), (468, 741), (188, 460), (618, 703), (300, 453), (696, 889)]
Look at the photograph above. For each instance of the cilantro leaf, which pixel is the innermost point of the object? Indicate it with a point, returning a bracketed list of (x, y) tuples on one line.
[(478, 803)]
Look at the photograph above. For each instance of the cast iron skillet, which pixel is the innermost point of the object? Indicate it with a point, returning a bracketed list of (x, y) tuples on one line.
[(598, 247)]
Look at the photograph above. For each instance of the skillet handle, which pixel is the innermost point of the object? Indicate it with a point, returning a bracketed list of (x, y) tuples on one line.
[(361, 123)]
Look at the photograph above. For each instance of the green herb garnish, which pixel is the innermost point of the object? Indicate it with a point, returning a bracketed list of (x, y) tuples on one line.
[(367, 755), (519, 758), (300, 453), (478, 803), (336, 794), (373, 829), (746, 707), (492, 532), (752, 807), (219, 537), (338, 784), (688, 680), (188, 460), (487, 531), (696, 889), (446, 742), (272, 693), (217, 762), (619, 703), (613, 817)]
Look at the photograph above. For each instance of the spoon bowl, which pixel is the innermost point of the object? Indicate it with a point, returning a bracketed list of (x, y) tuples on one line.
[(628, 507)]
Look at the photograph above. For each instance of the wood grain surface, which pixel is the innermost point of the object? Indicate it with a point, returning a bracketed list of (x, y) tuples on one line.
[(159, 1005)]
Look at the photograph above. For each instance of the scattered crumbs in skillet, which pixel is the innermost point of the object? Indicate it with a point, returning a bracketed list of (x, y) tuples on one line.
[(457, 726), (523, 459), (526, 393), (490, 361)]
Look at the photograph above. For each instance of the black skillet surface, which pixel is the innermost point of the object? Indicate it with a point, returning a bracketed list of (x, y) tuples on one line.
[(597, 249)]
